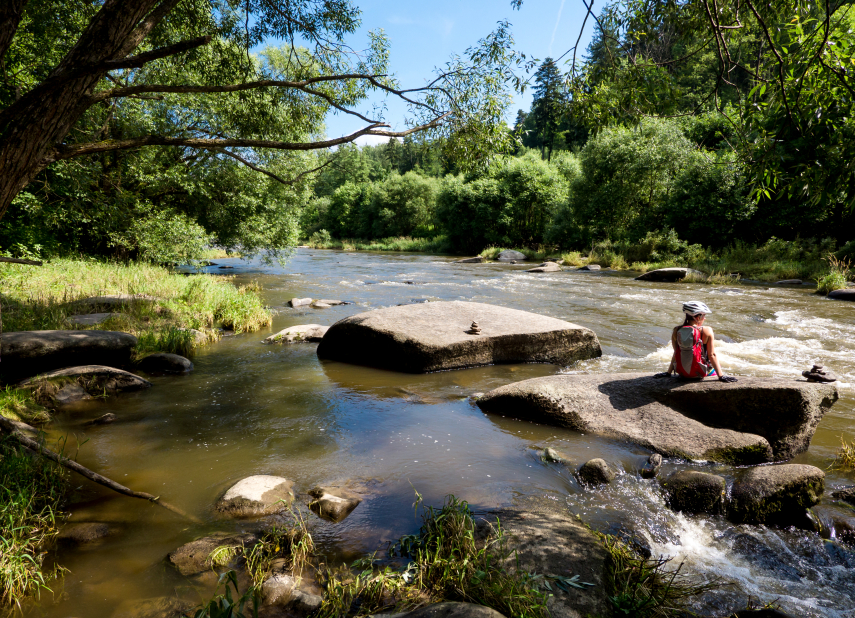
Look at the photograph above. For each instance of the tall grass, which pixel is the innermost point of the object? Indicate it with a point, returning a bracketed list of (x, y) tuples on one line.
[(32, 490), (845, 457), (19, 405), (837, 277), (42, 298)]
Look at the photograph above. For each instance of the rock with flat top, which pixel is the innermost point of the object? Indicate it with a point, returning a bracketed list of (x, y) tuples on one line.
[(164, 362), (848, 294), (775, 494), (590, 267), (195, 557), (512, 256), (546, 267), (333, 503), (669, 274), (26, 353), (72, 384), (473, 260), (295, 334), (299, 302), (420, 338), (90, 319), (693, 491), (256, 496), (752, 421), (320, 305)]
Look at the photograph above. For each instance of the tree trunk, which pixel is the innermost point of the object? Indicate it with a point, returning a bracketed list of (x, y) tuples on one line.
[(33, 126)]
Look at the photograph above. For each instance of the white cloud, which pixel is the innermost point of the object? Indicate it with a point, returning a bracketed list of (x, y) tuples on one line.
[(370, 140), (555, 30)]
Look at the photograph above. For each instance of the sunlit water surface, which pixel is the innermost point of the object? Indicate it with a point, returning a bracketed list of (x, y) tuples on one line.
[(249, 408)]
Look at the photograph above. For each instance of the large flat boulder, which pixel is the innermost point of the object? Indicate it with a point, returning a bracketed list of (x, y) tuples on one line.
[(752, 421), (256, 496), (848, 294), (27, 353), (65, 386), (420, 338), (669, 274)]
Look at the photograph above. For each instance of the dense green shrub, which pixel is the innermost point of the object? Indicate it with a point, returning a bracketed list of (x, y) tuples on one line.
[(400, 204)]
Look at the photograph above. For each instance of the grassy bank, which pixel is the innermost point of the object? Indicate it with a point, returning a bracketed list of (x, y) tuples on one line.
[(43, 298), (775, 260), (165, 305)]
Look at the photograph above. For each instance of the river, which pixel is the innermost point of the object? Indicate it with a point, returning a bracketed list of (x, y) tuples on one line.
[(249, 408)]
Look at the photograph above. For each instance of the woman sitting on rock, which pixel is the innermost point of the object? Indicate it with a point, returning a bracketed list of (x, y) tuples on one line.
[(694, 347)]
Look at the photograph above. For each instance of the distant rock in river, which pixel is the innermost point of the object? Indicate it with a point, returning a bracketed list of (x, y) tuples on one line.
[(419, 338)]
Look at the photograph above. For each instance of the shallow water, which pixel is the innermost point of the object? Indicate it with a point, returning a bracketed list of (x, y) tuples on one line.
[(250, 409)]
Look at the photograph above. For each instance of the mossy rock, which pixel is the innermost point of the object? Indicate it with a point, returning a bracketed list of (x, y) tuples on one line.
[(776, 494), (692, 491)]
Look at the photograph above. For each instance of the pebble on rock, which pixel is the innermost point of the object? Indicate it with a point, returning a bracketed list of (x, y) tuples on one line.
[(596, 472), (257, 495)]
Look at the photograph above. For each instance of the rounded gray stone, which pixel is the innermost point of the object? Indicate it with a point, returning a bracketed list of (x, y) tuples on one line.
[(596, 472), (256, 496), (775, 494), (693, 491), (166, 363), (669, 274)]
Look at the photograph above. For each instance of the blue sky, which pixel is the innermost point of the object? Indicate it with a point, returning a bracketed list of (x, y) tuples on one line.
[(424, 34)]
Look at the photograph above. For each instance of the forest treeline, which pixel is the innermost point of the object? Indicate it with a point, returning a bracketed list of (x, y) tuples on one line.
[(705, 130)]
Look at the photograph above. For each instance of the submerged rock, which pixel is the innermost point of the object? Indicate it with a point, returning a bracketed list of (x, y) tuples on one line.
[(512, 256), (550, 454), (433, 336), (650, 468), (596, 472), (103, 420), (753, 421), (760, 555), (333, 503), (692, 491), (165, 363), (450, 609), (474, 260), (775, 494), (82, 533), (847, 495), (302, 332), (65, 386), (194, 557), (546, 267), (669, 274), (257, 495), (27, 353)]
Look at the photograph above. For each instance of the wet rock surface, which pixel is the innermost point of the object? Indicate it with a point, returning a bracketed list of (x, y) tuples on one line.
[(847, 495), (194, 557), (301, 332), (693, 491), (775, 494), (546, 267), (257, 495), (755, 420), (72, 384), (433, 336), (164, 362), (760, 555), (333, 503), (551, 455), (26, 353), (650, 467), (300, 302), (669, 274), (596, 472)]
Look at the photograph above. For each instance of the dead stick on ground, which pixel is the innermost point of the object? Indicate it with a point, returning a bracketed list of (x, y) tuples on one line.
[(31, 444)]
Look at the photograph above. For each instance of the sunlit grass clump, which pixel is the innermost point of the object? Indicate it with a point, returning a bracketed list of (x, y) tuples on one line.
[(837, 277), (32, 491), (42, 298), (845, 458)]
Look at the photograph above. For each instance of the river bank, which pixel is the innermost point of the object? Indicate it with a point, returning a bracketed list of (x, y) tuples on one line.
[(774, 261), (249, 408), (165, 311)]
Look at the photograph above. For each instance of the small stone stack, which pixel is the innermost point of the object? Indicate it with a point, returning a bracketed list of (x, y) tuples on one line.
[(475, 329), (818, 373)]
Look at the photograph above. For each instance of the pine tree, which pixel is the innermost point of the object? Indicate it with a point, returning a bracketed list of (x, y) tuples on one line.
[(548, 105)]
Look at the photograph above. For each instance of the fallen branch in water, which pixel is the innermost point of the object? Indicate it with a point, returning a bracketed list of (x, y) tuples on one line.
[(12, 429)]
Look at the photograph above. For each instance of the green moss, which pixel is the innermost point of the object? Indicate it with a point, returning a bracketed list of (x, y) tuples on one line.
[(746, 455)]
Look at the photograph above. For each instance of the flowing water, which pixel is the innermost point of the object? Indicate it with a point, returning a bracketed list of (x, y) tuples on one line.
[(249, 408)]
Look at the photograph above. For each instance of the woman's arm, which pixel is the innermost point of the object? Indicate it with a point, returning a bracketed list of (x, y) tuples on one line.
[(709, 335)]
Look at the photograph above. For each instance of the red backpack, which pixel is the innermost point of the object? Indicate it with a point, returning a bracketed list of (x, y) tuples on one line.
[(691, 360)]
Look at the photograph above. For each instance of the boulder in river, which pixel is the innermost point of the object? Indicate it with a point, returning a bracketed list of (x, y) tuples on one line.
[(752, 421), (333, 503), (693, 491), (650, 468), (591, 267), (283, 590), (105, 419), (195, 557), (473, 260), (510, 255), (164, 362), (551, 455), (848, 294), (775, 494), (596, 472), (426, 337), (789, 282), (299, 302), (256, 496), (302, 332), (669, 274), (847, 495), (26, 353), (546, 267), (64, 386), (320, 305)]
